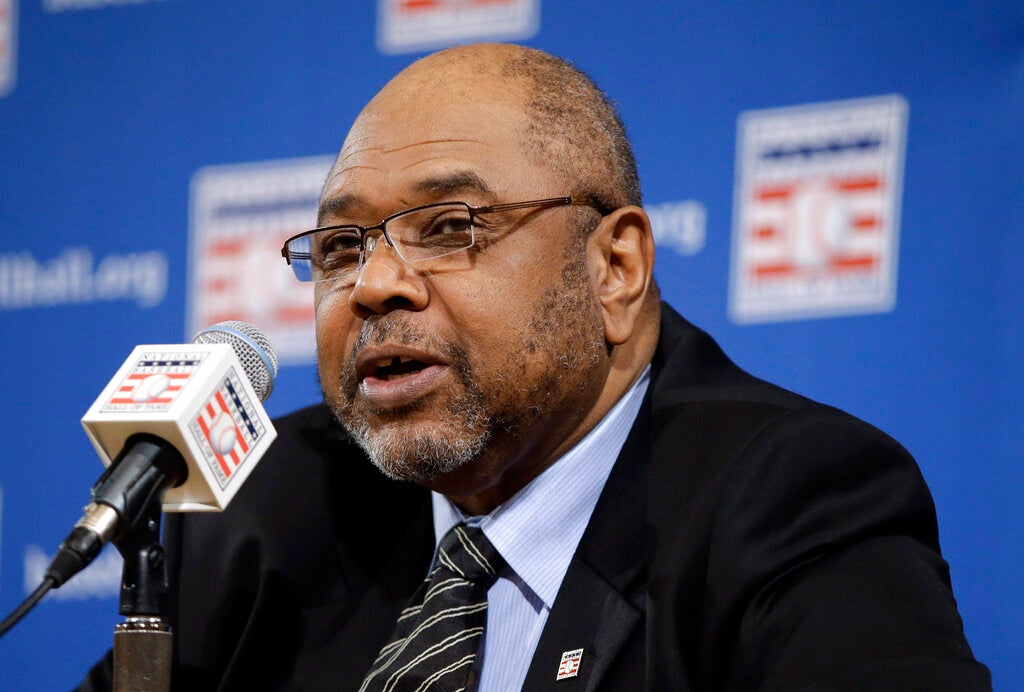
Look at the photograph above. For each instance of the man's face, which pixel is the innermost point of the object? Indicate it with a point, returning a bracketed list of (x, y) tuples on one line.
[(471, 375)]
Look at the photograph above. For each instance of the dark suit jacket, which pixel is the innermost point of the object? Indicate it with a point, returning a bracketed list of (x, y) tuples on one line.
[(747, 538)]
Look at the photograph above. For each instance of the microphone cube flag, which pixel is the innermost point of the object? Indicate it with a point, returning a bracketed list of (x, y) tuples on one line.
[(198, 398)]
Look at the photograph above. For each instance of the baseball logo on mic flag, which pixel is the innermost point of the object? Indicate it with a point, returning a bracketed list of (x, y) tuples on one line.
[(227, 429), (154, 382)]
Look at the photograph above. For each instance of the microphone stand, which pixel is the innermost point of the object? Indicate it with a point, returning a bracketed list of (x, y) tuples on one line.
[(142, 643)]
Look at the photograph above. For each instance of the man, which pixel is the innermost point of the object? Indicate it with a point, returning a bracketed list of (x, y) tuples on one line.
[(660, 519)]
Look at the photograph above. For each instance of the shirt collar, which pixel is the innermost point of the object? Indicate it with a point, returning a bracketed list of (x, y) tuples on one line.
[(538, 529)]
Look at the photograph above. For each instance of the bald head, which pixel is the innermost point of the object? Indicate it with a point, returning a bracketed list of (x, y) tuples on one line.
[(569, 125)]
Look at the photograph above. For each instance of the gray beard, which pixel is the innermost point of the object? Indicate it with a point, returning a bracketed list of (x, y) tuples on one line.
[(457, 440), (454, 442), (567, 328)]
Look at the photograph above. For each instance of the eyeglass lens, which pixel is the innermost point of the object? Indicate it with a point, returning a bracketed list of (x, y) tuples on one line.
[(416, 235)]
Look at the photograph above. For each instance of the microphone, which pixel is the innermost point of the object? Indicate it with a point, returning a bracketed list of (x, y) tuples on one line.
[(181, 423)]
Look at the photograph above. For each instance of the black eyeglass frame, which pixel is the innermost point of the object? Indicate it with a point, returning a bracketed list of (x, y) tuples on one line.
[(575, 200)]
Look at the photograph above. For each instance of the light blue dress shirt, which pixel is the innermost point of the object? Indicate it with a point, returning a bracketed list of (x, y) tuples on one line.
[(537, 531)]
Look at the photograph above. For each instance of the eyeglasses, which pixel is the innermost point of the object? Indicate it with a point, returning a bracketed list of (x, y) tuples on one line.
[(418, 236)]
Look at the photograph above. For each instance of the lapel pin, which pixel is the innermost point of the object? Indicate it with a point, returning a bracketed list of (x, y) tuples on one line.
[(570, 665)]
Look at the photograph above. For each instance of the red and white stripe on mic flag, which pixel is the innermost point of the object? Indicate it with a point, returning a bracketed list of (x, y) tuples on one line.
[(144, 388), (217, 422)]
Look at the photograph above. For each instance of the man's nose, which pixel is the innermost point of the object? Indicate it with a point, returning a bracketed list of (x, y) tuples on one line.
[(385, 282)]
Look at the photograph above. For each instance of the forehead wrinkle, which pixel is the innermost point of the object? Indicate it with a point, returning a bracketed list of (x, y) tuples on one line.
[(366, 145), (424, 143)]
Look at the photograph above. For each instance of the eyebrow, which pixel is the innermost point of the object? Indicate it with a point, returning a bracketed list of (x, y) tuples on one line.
[(458, 181), (336, 206), (437, 187)]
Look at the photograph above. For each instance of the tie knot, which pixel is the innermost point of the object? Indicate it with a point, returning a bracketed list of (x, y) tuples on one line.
[(466, 551)]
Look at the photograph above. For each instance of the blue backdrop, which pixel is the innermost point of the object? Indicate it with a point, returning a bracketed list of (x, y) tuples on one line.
[(836, 186)]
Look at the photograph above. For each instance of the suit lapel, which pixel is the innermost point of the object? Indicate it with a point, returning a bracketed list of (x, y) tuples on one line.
[(600, 604), (592, 616)]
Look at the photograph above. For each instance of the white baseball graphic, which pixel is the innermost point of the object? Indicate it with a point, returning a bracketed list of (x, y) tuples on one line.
[(222, 433), (150, 388)]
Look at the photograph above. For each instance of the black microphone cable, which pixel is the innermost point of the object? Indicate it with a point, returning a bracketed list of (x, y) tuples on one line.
[(28, 604)]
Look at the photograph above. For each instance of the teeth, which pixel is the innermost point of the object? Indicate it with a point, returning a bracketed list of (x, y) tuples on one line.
[(397, 360), (392, 368)]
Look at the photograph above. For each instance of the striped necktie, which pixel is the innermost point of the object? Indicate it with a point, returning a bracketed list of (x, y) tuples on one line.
[(437, 636)]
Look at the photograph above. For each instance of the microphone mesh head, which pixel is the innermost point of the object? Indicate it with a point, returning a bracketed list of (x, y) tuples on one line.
[(251, 345)]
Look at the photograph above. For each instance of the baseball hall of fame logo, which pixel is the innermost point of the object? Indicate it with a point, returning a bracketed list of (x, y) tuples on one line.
[(240, 217), (405, 26), (816, 210), (154, 382), (227, 429)]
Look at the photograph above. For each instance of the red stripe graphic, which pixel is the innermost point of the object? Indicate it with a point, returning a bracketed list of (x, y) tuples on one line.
[(774, 193), (413, 5), (867, 183), (777, 269), (854, 262), (137, 377), (842, 262), (220, 459), (867, 222), (129, 400), (764, 232), (220, 284), (172, 388)]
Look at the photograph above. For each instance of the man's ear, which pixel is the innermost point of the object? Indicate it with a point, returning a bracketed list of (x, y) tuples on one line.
[(621, 250)]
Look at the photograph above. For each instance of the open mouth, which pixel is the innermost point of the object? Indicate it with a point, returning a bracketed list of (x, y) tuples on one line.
[(392, 378), (397, 368)]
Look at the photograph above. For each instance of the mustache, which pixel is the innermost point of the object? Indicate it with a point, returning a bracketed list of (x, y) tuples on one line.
[(377, 329), (398, 329)]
